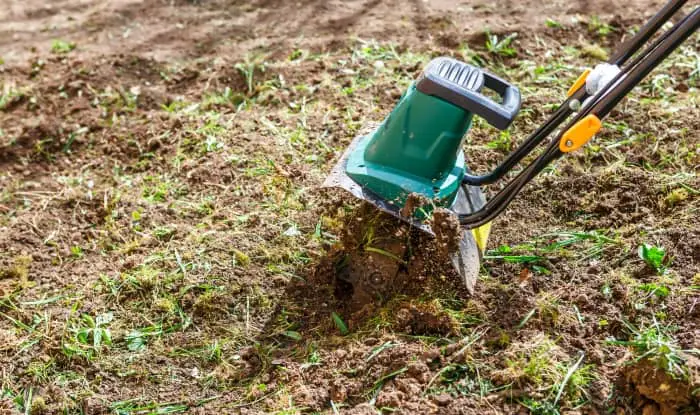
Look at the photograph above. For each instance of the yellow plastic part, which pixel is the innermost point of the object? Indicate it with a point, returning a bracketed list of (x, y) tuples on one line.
[(579, 133), (481, 235), (579, 82)]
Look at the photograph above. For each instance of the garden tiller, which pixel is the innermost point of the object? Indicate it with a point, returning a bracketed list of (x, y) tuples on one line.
[(416, 152)]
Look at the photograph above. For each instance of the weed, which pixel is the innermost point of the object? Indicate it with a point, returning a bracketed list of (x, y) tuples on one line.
[(456, 379), (653, 289), (88, 336), (297, 54), (226, 98), (163, 233), (59, 46), (541, 364), (137, 339), (676, 196), (40, 371), (551, 23), (539, 407), (10, 95), (505, 253), (504, 142), (656, 344), (502, 47), (248, 69), (76, 251), (339, 323), (597, 26), (535, 364), (564, 244), (212, 352), (654, 257), (138, 406), (372, 51)]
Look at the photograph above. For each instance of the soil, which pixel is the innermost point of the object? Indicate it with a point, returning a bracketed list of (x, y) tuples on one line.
[(447, 230), (654, 384), (165, 246)]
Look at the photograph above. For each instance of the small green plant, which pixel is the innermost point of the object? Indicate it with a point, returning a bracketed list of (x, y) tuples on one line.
[(139, 406), (61, 47), (137, 339), (88, 336), (156, 191), (538, 407), (654, 289), (501, 47), (504, 142), (248, 69), (224, 98), (10, 94), (297, 54), (339, 323), (654, 256), (552, 23), (599, 27), (76, 251), (163, 233)]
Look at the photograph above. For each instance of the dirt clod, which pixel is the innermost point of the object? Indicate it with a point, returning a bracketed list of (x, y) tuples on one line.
[(448, 231), (657, 385)]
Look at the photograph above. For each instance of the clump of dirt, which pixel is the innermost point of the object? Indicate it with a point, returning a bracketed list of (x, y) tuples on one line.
[(654, 388), (448, 231), (413, 202), (380, 257), (425, 319), (15, 276), (371, 255)]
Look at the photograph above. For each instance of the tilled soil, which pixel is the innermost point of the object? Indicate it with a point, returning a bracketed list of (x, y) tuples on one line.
[(165, 246)]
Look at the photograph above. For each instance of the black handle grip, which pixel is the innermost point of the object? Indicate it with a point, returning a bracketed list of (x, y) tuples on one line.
[(498, 115), (460, 84)]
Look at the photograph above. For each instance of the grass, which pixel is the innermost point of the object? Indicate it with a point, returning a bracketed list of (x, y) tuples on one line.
[(501, 47), (572, 245), (59, 46), (541, 363), (87, 336), (177, 267), (656, 343)]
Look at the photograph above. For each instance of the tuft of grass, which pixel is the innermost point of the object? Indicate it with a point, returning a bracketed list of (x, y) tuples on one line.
[(564, 244), (88, 336), (138, 406), (501, 47), (62, 47), (653, 289), (504, 142), (249, 68), (551, 23), (11, 94), (656, 344), (599, 27), (339, 323), (540, 364)]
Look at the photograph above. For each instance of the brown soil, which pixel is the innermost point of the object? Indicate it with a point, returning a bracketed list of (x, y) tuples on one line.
[(159, 172), (657, 387), (447, 230)]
